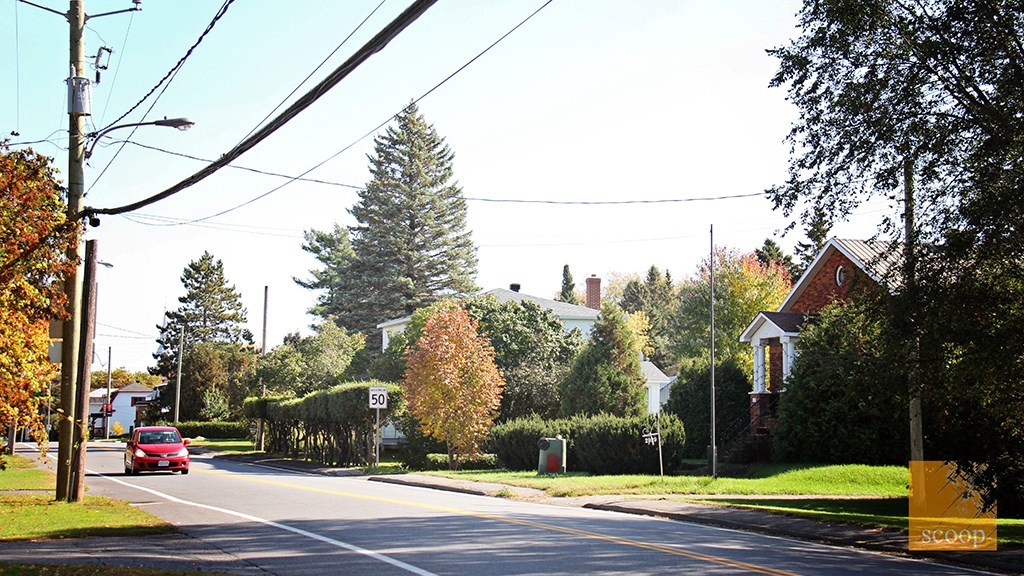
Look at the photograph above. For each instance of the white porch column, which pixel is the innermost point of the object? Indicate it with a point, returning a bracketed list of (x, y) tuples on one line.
[(759, 367), (788, 355)]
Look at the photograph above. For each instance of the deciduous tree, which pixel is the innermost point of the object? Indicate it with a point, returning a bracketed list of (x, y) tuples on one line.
[(36, 247), (743, 287), (452, 386)]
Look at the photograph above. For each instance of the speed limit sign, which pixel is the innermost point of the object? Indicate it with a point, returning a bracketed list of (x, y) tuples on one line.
[(378, 397)]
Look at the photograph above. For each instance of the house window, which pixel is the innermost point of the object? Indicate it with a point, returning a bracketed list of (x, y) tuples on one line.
[(840, 275), (138, 400)]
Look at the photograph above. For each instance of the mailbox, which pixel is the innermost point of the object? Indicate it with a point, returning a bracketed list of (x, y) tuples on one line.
[(552, 456)]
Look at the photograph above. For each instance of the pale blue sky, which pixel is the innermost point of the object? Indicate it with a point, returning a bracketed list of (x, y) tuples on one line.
[(590, 100)]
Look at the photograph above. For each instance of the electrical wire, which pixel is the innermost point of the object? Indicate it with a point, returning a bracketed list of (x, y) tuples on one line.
[(248, 169), (376, 44), (117, 69), (220, 13), (379, 126), (615, 202), (125, 330), (315, 70)]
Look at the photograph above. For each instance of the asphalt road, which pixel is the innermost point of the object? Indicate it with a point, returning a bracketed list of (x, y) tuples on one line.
[(291, 524)]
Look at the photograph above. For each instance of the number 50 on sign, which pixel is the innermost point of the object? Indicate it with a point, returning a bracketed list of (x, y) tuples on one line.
[(378, 397)]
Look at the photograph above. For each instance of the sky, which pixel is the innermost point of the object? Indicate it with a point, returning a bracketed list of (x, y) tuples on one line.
[(588, 101)]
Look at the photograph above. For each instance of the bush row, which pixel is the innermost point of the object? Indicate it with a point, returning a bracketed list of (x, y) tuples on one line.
[(214, 429), (599, 444), (333, 426)]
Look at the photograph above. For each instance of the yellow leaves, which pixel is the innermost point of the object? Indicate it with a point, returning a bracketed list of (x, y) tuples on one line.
[(452, 384)]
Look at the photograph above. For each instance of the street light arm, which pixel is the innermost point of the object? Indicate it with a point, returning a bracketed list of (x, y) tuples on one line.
[(179, 123)]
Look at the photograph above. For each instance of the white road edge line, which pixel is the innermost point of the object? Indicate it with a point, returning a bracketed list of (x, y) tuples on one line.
[(279, 526), (312, 535)]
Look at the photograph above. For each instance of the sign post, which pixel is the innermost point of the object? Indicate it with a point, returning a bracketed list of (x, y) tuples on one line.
[(378, 400)]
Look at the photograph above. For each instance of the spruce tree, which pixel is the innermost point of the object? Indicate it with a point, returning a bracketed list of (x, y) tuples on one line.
[(211, 311), (410, 246), (568, 293)]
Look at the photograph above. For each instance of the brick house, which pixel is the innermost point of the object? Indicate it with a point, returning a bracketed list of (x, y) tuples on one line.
[(841, 268)]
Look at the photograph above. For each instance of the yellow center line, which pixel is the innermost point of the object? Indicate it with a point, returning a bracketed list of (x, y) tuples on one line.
[(755, 568)]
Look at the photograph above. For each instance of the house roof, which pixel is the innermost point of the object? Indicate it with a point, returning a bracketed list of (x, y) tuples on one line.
[(563, 310), (136, 387), (653, 374), (880, 260), (774, 325)]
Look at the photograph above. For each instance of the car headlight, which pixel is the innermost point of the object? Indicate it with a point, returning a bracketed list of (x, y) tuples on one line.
[(183, 453), (139, 453)]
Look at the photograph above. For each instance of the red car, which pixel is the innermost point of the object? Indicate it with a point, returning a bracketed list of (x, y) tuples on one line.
[(156, 448)]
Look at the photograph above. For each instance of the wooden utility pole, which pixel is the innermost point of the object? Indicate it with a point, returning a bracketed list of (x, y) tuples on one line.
[(73, 325), (81, 437), (910, 290)]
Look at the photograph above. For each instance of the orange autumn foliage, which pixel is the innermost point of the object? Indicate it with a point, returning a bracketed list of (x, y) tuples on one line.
[(452, 384), (35, 243)]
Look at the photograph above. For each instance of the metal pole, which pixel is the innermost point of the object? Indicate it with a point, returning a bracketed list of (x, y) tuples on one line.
[(106, 407), (72, 284), (261, 432), (77, 492), (177, 377), (661, 461), (910, 282), (714, 442), (376, 441)]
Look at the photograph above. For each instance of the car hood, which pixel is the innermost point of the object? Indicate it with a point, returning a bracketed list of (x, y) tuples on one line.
[(162, 448)]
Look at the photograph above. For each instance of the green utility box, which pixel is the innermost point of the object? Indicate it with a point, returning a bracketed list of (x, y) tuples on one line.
[(552, 456)]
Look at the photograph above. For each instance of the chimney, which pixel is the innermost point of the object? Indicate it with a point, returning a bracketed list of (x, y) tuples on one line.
[(514, 287), (594, 292)]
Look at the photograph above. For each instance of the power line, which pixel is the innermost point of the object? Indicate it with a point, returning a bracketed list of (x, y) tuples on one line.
[(615, 202), (376, 44), (248, 169), (120, 59), (318, 67), (125, 330), (382, 124), (209, 27)]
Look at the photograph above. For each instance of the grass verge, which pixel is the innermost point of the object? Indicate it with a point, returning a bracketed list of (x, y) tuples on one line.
[(22, 474), (229, 445), (835, 480), (873, 512), (33, 516)]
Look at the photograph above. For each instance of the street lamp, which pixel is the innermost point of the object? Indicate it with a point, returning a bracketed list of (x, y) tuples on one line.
[(179, 123)]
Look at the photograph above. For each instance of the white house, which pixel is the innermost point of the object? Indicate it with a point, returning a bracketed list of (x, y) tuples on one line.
[(123, 403), (571, 315), (658, 386)]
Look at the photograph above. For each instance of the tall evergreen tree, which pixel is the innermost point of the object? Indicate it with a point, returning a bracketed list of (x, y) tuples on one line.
[(410, 246), (333, 251), (771, 253), (654, 296), (568, 293), (211, 311)]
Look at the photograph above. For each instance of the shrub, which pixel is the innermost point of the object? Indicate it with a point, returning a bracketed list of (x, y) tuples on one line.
[(439, 461), (690, 401), (214, 429), (599, 444)]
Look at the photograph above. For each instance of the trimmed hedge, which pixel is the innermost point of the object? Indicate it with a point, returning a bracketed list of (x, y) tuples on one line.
[(599, 444), (333, 426), (438, 461), (214, 429)]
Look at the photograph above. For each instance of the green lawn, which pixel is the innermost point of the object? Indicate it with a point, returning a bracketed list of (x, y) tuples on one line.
[(25, 516), (22, 474), (233, 445), (834, 480), (875, 512)]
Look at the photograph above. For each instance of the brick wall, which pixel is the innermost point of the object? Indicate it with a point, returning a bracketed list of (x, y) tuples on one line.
[(823, 289), (774, 366)]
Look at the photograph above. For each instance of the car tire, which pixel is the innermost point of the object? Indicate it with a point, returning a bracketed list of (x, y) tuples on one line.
[(184, 471)]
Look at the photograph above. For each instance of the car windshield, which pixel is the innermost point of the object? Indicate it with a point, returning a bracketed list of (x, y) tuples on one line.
[(159, 437)]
